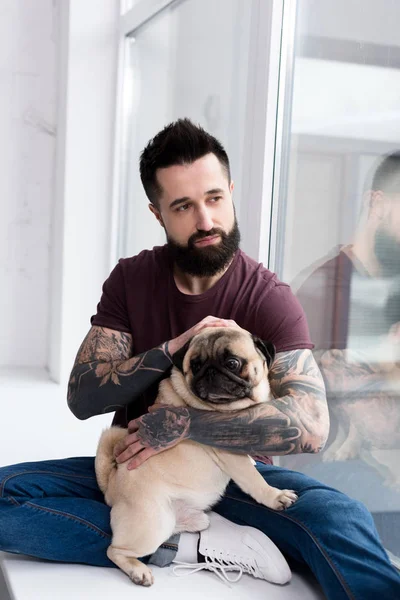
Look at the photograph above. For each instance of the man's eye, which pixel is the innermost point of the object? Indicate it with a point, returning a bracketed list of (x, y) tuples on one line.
[(232, 364), (216, 198), (182, 208)]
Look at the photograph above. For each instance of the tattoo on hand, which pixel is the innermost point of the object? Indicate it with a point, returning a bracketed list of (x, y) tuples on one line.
[(164, 427)]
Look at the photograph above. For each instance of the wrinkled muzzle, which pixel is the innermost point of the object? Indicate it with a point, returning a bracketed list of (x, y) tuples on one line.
[(218, 385)]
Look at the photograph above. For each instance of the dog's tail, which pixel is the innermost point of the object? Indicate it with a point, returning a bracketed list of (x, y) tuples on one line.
[(105, 463)]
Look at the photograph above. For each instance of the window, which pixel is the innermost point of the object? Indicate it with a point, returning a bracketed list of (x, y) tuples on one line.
[(304, 95), (337, 237), (188, 60)]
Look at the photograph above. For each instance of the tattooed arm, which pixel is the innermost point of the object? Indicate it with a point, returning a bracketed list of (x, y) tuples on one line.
[(295, 420), (350, 375), (106, 376)]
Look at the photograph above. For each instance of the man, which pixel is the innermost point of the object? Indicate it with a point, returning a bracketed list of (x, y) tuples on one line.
[(151, 305)]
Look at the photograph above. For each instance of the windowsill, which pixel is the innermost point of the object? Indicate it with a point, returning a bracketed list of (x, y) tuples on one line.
[(36, 422), (14, 376), (29, 579)]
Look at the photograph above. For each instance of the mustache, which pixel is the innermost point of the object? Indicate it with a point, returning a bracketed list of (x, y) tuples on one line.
[(199, 235)]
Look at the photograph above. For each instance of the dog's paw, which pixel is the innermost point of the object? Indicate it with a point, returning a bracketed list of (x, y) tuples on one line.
[(142, 575), (285, 499), (344, 454), (280, 499), (328, 456)]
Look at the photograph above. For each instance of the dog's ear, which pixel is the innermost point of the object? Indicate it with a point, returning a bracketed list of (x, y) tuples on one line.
[(177, 358), (266, 348)]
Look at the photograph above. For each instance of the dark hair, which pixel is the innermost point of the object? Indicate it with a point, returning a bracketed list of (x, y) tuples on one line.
[(179, 143), (387, 175)]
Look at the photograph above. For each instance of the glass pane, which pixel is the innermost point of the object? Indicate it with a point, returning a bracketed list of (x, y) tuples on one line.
[(126, 5), (338, 239), (190, 60)]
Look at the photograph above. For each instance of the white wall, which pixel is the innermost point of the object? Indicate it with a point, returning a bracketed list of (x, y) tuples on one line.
[(80, 258), (58, 65), (28, 89), (58, 62)]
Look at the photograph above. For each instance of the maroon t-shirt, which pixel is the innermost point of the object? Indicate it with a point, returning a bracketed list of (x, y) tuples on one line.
[(140, 297), (325, 297)]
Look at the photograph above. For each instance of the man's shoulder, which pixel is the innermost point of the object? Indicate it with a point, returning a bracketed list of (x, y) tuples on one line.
[(146, 260), (271, 310), (333, 268), (256, 270), (264, 281)]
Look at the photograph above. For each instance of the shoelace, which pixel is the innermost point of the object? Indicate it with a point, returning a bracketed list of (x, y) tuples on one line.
[(219, 563)]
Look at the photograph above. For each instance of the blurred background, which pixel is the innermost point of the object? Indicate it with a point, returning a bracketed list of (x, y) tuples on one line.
[(304, 95)]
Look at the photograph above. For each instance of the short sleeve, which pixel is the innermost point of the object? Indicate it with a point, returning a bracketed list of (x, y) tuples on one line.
[(112, 309), (282, 319)]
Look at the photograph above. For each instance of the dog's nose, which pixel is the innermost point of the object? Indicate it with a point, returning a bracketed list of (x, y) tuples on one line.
[(210, 373)]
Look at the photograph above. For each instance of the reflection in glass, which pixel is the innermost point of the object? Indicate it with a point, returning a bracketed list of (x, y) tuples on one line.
[(339, 240)]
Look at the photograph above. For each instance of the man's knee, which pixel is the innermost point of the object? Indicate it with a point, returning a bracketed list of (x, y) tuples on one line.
[(16, 480), (334, 508)]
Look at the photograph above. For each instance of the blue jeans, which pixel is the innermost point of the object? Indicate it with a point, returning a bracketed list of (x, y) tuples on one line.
[(55, 510)]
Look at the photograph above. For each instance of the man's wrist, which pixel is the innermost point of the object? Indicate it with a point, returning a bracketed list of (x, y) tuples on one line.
[(173, 346), (167, 350)]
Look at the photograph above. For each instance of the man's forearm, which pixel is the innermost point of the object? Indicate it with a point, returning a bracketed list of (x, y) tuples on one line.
[(294, 420), (258, 430), (102, 386), (263, 429), (251, 431)]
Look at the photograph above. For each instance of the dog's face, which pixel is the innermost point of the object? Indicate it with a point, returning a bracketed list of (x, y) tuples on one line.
[(223, 368)]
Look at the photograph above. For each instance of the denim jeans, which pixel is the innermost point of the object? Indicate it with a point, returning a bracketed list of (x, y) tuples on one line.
[(55, 510)]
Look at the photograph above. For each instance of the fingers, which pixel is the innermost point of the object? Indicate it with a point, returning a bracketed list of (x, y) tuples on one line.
[(214, 322), (210, 321), (133, 425), (140, 458), (129, 452), (122, 446)]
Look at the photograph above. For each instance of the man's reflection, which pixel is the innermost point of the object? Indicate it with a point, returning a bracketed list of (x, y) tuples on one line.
[(352, 302)]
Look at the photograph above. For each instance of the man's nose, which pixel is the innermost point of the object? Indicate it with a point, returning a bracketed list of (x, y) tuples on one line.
[(204, 220)]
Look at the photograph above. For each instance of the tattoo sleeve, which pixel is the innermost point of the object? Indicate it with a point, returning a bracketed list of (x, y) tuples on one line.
[(350, 375), (106, 376), (295, 420)]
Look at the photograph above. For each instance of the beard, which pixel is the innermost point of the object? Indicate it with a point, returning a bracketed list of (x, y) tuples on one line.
[(207, 261), (387, 251)]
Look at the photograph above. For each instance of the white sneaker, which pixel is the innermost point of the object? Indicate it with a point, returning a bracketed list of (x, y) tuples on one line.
[(226, 547)]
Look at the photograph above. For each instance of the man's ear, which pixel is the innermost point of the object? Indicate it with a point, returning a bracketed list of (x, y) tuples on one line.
[(266, 348), (157, 214), (177, 358)]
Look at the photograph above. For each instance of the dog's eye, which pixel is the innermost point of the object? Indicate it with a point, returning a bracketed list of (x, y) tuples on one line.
[(195, 366), (232, 364)]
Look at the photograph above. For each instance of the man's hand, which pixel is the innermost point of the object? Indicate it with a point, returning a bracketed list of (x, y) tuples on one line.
[(152, 433), (178, 342)]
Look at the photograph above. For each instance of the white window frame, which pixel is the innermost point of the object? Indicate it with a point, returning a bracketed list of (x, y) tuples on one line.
[(80, 250)]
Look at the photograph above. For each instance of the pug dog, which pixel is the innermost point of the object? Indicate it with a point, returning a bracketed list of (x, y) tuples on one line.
[(220, 369)]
